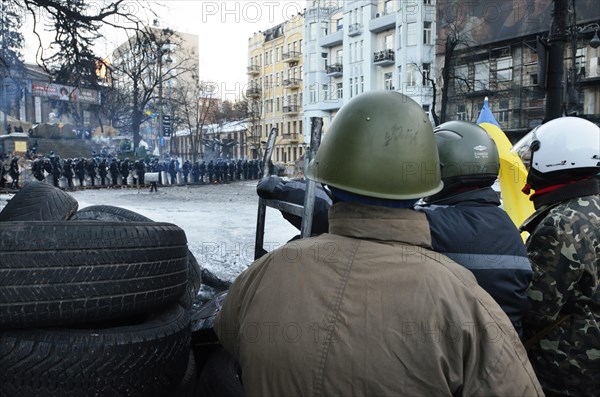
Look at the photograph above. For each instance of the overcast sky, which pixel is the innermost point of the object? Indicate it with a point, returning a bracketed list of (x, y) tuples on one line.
[(223, 28)]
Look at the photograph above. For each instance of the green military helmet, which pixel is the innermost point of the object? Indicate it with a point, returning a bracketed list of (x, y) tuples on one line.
[(380, 144), (468, 155)]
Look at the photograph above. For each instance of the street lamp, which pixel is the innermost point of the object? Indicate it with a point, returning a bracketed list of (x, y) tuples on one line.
[(595, 41)]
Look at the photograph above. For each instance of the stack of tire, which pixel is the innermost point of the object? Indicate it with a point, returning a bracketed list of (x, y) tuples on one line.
[(94, 302)]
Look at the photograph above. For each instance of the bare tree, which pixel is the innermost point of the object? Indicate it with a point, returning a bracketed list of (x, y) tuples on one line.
[(195, 106), (458, 31), (141, 68), (76, 28)]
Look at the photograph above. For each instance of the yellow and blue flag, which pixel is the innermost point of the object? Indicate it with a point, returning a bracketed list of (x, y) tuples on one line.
[(513, 174)]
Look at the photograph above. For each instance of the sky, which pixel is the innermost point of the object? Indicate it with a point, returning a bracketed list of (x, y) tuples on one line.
[(223, 27)]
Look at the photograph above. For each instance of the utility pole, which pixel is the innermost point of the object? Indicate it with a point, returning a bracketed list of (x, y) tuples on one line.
[(556, 68), (3, 52), (160, 106)]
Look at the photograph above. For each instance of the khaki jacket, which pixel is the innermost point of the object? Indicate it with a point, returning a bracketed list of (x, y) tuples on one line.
[(370, 310)]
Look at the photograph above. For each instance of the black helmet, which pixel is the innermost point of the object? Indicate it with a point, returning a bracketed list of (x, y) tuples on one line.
[(468, 156)]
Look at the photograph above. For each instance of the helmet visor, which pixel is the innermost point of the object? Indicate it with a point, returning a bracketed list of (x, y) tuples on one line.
[(523, 148)]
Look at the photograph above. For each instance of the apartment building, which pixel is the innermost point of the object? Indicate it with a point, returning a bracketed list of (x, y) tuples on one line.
[(274, 91), (354, 46), (503, 54)]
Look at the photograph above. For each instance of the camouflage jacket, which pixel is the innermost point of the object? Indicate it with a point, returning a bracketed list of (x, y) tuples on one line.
[(564, 249)]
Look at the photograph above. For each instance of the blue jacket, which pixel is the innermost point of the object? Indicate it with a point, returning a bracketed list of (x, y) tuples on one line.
[(471, 229)]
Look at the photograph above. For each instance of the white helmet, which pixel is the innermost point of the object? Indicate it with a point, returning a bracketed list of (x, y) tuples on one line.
[(561, 150)]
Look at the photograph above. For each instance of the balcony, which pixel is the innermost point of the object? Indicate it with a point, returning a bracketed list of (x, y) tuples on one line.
[(384, 58), (291, 56), (332, 39), (253, 70), (355, 29), (292, 83), (334, 70), (290, 138), (382, 22), (291, 109), (253, 92)]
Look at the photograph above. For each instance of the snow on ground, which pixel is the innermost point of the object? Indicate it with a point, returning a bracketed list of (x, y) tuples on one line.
[(219, 220)]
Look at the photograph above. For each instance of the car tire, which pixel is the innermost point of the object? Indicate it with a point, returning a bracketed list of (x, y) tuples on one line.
[(63, 272), (220, 377), (112, 213), (39, 201), (142, 358)]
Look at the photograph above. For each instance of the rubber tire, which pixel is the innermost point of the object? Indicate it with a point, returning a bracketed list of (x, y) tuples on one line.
[(220, 377), (148, 358), (63, 272), (113, 213), (187, 386), (39, 201)]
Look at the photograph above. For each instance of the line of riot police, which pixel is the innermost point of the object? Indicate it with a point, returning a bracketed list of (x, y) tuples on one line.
[(110, 171), (221, 170)]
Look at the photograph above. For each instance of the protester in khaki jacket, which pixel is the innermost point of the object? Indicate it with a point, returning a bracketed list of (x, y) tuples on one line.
[(369, 309)]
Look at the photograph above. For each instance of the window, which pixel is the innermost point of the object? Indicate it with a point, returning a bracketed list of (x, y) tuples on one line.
[(350, 80), (461, 112), (340, 90), (482, 76), (361, 51), (313, 94), (399, 36), (387, 7), (426, 74), (362, 84), (388, 42), (503, 111), (387, 81), (339, 24), (427, 2), (580, 61), (312, 32), (427, 33), (312, 60), (461, 75), (411, 75), (533, 79), (339, 57), (504, 69), (399, 74), (411, 33), (325, 92)]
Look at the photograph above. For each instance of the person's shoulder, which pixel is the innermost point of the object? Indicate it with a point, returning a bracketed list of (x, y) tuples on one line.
[(574, 210)]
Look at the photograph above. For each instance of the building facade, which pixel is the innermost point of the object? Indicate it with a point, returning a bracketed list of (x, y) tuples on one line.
[(355, 46), (504, 57), (274, 91)]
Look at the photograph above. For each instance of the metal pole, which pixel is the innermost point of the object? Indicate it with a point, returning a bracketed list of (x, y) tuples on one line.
[(309, 198), (556, 67), (160, 106), (4, 97)]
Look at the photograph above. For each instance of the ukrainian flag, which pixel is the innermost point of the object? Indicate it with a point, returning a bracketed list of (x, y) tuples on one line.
[(513, 174)]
